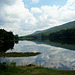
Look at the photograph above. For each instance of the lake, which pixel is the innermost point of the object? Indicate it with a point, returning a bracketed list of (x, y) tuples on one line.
[(58, 57)]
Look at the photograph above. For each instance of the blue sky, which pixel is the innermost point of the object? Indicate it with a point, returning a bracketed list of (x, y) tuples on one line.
[(44, 2), (24, 17)]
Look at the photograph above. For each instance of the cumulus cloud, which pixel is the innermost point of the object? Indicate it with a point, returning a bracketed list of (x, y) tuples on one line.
[(7, 2), (67, 11), (16, 17), (36, 10), (13, 13), (55, 15), (49, 16)]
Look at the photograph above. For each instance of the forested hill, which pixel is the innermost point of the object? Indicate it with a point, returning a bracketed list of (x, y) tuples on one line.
[(68, 25), (65, 29)]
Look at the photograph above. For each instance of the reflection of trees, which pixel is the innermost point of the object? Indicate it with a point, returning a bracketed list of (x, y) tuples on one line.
[(7, 40), (16, 41), (6, 46), (65, 41)]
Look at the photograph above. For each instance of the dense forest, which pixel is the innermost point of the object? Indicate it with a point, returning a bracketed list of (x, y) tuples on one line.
[(7, 40), (64, 33), (69, 25), (63, 36), (7, 36)]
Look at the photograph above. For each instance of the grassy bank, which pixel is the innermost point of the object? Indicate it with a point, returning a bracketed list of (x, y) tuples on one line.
[(30, 70), (17, 54)]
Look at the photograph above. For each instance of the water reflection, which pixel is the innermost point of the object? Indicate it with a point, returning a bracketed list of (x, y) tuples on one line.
[(6, 46), (61, 43), (51, 56)]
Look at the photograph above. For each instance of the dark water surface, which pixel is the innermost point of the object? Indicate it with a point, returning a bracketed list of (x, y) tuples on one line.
[(51, 56)]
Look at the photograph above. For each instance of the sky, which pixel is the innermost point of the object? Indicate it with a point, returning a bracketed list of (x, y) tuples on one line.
[(23, 17)]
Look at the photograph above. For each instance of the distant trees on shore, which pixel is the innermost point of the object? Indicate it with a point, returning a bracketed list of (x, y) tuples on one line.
[(62, 36)]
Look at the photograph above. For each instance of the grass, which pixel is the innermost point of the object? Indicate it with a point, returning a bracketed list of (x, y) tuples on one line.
[(6, 69), (17, 54)]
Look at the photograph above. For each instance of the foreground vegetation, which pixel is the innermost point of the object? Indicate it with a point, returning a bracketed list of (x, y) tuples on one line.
[(12, 69), (17, 54)]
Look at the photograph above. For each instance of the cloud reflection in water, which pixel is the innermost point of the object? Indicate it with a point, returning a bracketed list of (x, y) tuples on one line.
[(53, 57)]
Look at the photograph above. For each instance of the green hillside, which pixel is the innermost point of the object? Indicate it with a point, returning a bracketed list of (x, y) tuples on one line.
[(69, 25), (45, 33)]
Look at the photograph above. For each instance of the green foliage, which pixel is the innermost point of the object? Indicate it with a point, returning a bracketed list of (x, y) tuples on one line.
[(7, 40), (7, 36), (18, 54), (16, 37), (65, 32), (64, 35), (4, 35), (10, 69)]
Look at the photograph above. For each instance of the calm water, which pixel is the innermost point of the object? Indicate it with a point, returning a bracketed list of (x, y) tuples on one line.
[(51, 56)]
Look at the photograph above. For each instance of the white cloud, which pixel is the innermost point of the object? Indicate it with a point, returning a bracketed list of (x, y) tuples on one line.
[(54, 15), (67, 11), (35, 1), (13, 14), (16, 17), (36, 10), (71, 4), (8, 2), (49, 17)]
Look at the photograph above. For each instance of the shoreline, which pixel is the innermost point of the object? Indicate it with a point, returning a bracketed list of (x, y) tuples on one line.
[(12, 69)]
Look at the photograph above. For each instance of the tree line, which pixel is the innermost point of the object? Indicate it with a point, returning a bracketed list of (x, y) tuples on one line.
[(7, 40), (7, 36), (62, 36)]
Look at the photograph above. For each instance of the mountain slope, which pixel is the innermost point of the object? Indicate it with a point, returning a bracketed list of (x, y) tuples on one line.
[(69, 25), (45, 33), (37, 32)]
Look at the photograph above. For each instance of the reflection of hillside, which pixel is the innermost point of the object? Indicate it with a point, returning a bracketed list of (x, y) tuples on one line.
[(62, 43), (6, 46), (65, 41), (51, 56), (62, 38)]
